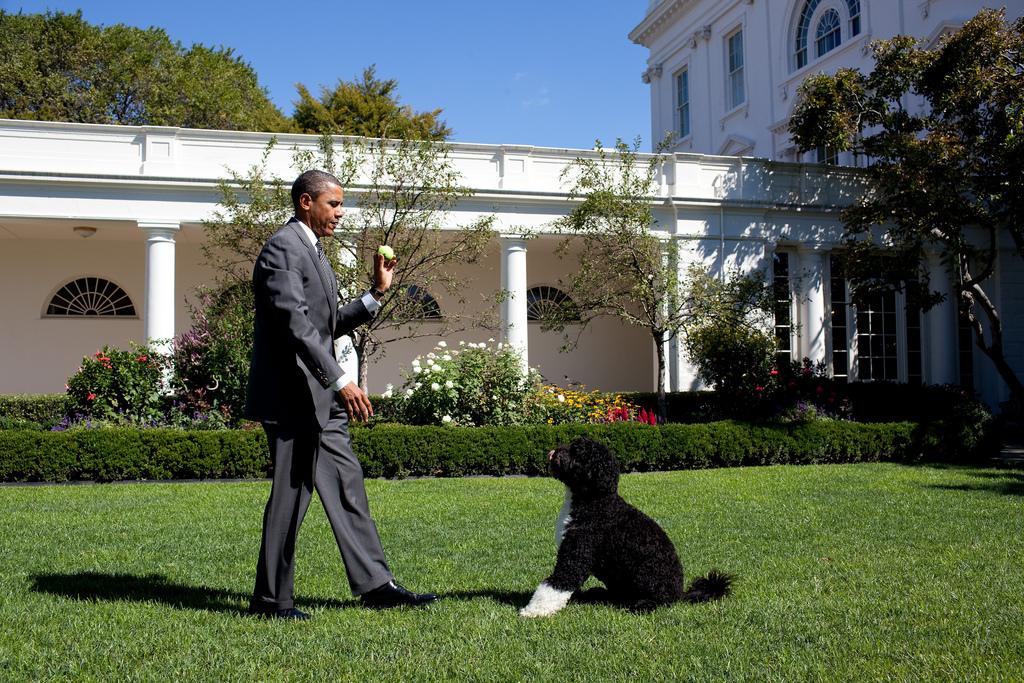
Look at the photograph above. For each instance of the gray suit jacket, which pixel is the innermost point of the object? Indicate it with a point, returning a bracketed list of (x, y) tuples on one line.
[(297, 320)]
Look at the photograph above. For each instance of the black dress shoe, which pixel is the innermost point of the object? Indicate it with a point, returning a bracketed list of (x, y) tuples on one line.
[(391, 594), (290, 613)]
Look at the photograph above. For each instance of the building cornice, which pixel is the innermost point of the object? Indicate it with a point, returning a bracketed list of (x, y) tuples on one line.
[(656, 20), (94, 171)]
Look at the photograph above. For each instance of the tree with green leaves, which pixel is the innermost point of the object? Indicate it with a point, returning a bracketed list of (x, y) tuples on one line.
[(728, 333), (58, 67), (625, 267), (400, 193), (943, 130), (368, 107)]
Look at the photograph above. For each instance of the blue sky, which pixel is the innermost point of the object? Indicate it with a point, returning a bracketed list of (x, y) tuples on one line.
[(557, 73)]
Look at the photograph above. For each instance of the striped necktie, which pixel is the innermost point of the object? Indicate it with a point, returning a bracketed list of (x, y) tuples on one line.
[(328, 271)]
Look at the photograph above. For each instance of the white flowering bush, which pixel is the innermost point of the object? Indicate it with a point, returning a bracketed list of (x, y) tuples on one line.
[(470, 384)]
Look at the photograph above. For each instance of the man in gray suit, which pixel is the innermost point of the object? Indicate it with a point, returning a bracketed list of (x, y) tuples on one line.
[(305, 400)]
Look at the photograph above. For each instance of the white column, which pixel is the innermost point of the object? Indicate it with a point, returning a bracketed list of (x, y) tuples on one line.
[(941, 327), (813, 312), (513, 307), (159, 307), (668, 346)]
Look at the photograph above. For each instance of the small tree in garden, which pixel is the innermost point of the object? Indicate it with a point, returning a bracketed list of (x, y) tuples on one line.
[(411, 186), (400, 193), (946, 178), (624, 269), (728, 332)]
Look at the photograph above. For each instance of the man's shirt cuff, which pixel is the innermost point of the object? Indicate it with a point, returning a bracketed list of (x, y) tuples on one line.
[(370, 302), (339, 383)]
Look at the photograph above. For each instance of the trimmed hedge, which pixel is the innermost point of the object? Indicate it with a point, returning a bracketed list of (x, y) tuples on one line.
[(114, 454), (44, 409), (391, 450)]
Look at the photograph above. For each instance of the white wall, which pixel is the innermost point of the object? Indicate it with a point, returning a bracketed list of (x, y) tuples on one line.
[(674, 32), (40, 353)]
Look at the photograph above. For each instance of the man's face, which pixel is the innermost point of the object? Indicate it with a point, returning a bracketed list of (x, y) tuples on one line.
[(324, 212)]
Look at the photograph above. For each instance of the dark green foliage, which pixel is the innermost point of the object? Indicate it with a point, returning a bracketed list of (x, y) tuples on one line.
[(57, 67), (211, 360), (123, 453), (389, 450), (44, 409), (727, 333), (121, 386), (369, 108), (942, 126)]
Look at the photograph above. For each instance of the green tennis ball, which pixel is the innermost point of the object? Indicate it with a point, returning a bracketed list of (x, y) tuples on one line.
[(387, 252)]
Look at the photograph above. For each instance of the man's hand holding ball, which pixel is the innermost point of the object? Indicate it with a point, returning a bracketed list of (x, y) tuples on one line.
[(383, 269)]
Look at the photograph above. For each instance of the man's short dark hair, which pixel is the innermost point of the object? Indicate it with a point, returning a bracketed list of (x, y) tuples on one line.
[(312, 183)]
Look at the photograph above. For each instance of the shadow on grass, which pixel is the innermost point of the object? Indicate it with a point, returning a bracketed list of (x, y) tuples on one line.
[(89, 586), (1005, 482), (130, 587)]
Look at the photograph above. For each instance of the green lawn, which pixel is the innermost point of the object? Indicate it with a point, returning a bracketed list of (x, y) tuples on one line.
[(846, 573)]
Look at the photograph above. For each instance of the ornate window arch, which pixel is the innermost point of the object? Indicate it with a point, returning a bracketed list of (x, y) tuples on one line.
[(90, 296), (822, 21), (543, 301)]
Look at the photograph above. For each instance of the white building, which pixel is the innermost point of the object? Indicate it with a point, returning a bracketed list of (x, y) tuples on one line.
[(101, 226), (724, 73)]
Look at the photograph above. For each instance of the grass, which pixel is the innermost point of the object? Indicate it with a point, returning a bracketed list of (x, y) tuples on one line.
[(851, 572)]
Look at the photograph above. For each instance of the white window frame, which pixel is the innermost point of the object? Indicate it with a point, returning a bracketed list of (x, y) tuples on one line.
[(846, 33), (852, 350)]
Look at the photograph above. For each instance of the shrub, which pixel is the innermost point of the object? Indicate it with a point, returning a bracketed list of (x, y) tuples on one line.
[(391, 450), (120, 453), (120, 386), (473, 384), (44, 409), (735, 359), (211, 360)]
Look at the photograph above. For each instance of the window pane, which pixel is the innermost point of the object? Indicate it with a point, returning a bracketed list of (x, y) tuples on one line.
[(735, 47)]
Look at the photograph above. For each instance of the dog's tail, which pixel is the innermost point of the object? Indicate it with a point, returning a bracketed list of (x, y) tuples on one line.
[(715, 586)]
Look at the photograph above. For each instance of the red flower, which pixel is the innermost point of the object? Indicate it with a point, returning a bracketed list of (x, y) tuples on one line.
[(773, 372), (758, 388), (90, 397), (142, 359)]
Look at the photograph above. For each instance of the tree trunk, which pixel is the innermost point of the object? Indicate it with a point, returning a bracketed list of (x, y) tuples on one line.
[(994, 348), (659, 345), (359, 346)]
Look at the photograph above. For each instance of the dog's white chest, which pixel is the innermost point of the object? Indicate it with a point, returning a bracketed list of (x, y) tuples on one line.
[(564, 518)]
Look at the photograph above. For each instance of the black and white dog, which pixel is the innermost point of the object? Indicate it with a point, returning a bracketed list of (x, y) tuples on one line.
[(600, 534)]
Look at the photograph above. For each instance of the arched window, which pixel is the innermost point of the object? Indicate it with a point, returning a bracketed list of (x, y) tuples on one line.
[(544, 303), (90, 296), (425, 306), (828, 29), (827, 36)]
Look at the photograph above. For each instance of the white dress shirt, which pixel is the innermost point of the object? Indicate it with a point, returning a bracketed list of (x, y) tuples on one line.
[(368, 300)]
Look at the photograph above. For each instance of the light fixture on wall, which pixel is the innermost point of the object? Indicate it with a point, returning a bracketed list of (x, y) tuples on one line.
[(84, 230)]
